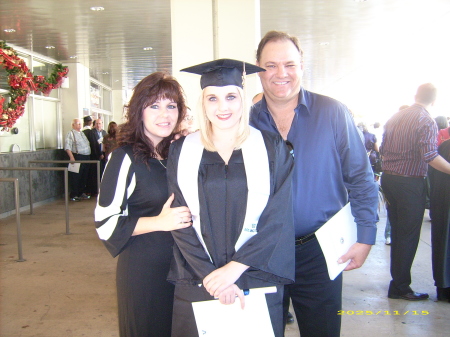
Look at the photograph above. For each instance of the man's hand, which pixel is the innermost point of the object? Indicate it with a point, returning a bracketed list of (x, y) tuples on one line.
[(357, 254)]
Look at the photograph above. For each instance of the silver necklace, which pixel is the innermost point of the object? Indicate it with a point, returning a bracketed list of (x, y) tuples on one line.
[(162, 164)]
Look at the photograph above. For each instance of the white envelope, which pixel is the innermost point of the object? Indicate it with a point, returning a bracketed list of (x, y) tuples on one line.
[(213, 318), (335, 237)]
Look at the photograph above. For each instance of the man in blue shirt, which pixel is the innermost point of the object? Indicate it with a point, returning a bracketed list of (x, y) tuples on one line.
[(331, 168)]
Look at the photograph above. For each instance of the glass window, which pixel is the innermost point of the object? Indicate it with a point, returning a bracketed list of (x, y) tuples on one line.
[(41, 68), (45, 123), (107, 99), (22, 138), (95, 96)]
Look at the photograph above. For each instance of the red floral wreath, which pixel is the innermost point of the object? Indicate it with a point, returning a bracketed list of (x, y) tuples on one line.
[(21, 82)]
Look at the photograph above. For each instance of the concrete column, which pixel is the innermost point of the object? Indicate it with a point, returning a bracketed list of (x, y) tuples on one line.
[(204, 30), (76, 97), (118, 101)]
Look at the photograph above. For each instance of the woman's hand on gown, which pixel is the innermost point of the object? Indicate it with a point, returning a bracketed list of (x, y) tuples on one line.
[(222, 278), (168, 220)]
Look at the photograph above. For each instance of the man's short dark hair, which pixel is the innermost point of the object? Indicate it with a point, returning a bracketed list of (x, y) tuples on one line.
[(426, 94), (274, 35)]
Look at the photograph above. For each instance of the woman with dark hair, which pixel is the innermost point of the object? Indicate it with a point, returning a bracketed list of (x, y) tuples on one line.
[(109, 141), (133, 215)]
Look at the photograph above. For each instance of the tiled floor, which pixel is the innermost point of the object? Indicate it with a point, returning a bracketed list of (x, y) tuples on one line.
[(66, 286)]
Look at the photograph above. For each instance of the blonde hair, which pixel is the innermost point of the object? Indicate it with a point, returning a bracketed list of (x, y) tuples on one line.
[(206, 131)]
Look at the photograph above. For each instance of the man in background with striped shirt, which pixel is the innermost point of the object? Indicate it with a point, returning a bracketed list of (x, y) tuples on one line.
[(409, 146)]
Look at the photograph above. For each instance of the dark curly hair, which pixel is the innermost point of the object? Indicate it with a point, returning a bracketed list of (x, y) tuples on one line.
[(156, 86)]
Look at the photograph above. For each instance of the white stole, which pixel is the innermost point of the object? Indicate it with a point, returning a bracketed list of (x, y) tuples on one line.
[(257, 170)]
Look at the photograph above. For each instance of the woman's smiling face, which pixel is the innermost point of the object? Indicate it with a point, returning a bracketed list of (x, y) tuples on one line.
[(223, 106), (160, 118)]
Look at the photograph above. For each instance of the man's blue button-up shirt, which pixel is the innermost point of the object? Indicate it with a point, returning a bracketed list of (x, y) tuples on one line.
[(331, 164)]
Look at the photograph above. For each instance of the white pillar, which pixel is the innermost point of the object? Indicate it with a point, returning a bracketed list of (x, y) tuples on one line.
[(76, 97), (204, 30)]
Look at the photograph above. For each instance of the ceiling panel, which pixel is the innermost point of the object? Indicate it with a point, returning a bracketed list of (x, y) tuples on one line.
[(339, 37)]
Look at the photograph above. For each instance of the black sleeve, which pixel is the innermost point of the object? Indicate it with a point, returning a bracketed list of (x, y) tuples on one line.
[(188, 247), (113, 223), (270, 253)]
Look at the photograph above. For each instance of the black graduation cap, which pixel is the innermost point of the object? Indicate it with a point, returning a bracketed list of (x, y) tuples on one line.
[(219, 73)]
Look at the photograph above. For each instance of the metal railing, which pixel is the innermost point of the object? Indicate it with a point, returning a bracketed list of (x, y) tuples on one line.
[(66, 186), (17, 202), (71, 161)]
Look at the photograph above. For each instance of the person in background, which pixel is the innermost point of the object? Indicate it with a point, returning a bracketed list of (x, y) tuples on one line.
[(409, 147), (387, 229), (133, 215), (95, 137), (87, 123), (239, 179), (109, 140), (371, 144), (440, 226), (331, 168), (443, 129), (77, 148), (257, 97)]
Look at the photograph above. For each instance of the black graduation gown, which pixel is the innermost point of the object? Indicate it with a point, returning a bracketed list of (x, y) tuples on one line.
[(440, 221), (223, 200)]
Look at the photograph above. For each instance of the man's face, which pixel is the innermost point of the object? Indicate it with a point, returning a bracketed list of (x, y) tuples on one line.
[(76, 125), (282, 79), (99, 124)]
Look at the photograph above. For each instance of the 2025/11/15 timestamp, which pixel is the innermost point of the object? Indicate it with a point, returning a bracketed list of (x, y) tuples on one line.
[(382, 313)]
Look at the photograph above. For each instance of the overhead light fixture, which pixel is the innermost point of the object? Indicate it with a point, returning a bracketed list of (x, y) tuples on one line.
[(97, 8), (10, 30), (50, 47), (324, 43), (73, 57), (147, 48), (105, 73), (359, 0)]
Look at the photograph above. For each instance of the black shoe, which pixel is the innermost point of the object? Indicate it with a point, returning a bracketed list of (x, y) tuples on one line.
[(290, 318), (443, 294), (412, 296), (75, 199)]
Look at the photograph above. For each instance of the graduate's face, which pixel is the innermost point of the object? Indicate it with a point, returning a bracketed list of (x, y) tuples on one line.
[(160, 118), (223, 106)]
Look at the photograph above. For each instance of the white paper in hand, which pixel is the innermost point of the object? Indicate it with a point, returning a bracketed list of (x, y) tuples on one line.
[(219, 320), (74, 167), (335, 237)]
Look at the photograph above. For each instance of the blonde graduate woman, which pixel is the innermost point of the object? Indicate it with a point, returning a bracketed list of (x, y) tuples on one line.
[(236, 181), (133, 215)]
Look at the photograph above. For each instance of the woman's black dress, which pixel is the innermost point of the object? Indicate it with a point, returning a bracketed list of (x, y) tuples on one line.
[(129, 190)]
